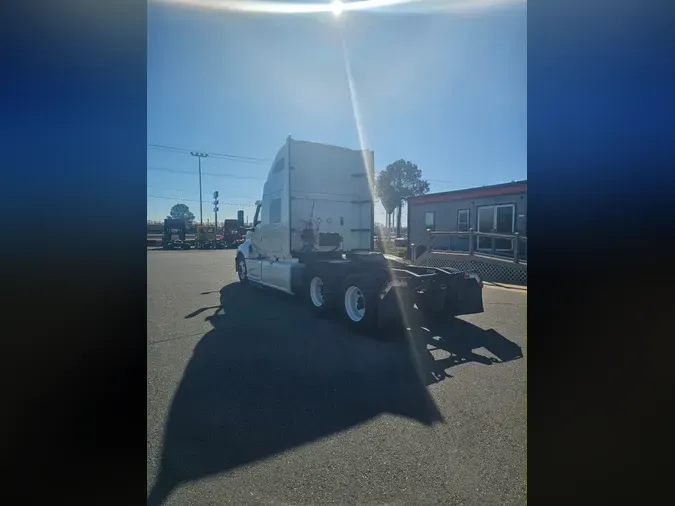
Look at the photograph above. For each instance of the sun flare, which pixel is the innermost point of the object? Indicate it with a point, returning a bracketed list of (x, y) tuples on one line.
[(336, 8)]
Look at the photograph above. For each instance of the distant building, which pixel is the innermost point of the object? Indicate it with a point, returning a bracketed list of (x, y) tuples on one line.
[(500, 208)]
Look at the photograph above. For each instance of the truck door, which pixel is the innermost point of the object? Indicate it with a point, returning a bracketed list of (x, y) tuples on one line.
[(255, 256), (271, 228), (254, 265), (255, 252)]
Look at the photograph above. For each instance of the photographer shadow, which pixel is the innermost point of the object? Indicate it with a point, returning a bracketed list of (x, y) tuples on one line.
[(269, 377)]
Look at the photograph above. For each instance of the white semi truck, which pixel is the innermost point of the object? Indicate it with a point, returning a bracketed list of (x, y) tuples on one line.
[(312, 235)]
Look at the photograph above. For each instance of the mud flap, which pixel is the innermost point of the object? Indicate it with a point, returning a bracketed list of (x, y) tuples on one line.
[(464, 296), (389, 309)]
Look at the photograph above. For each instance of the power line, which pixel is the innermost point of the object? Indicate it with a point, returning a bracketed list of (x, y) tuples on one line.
[(251, 178), (195, 200), (246, 159), (174, 190), (168, 189), (179, 171), (223, 156), (168, 148), (174, 148)]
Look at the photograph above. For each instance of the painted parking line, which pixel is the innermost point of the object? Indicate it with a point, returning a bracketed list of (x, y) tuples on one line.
[(502, 286)]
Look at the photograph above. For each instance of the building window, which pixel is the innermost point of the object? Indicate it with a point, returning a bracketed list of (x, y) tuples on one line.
[(429, 221), (463, 220), (275, 211), (500, 219)]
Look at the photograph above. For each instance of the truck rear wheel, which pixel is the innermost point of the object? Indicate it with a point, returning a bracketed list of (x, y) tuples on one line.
[(319, 293), (359, 302)]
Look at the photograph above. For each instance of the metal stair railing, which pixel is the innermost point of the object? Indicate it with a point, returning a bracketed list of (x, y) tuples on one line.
[(489, 265), (428, 244)]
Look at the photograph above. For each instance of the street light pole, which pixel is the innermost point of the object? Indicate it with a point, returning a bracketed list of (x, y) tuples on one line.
[(200, 156)]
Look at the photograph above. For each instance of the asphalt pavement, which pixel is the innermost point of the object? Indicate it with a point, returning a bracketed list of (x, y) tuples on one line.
[(253, 400)]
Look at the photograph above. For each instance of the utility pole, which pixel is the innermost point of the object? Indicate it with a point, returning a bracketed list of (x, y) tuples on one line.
[(215, 207), (200, 156)]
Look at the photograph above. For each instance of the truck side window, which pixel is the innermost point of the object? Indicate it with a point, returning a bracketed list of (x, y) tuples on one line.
[(279, 166), (257, 219), (275, 211)]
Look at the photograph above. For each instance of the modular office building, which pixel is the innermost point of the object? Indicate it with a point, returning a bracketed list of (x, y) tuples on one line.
[(500, 208)]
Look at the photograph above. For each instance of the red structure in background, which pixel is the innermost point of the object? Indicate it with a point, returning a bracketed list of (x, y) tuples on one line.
[(233, 234)]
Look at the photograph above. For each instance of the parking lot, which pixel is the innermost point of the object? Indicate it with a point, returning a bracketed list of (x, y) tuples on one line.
[(253, 400)]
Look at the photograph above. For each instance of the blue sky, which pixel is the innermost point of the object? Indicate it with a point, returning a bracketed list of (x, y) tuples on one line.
[(445, 90)]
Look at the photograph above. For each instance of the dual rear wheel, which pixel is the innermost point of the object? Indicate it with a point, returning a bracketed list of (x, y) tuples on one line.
[(355, 299), (322, 299)]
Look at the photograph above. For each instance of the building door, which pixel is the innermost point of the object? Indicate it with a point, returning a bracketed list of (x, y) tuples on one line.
[(486, 219), (499, 219), (504, 222)]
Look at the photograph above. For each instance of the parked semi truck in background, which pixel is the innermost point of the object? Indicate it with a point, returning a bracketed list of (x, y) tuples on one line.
[(233, 233), (174, 234), (312, 235), (205, 237)]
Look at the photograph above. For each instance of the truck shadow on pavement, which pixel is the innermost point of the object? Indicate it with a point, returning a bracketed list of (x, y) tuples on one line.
[(270, 376), (459, 340)]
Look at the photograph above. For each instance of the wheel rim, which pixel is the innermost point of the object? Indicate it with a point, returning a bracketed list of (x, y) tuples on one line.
[(316, 291), (241, 269), (355, 304)]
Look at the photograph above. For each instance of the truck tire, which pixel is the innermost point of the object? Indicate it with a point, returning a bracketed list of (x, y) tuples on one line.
[(360, 299), (319, 292), (242, 272)]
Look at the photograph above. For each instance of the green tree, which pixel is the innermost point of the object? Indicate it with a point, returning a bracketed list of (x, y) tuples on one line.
[(398, 181), (386, 193), (182, 212)]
